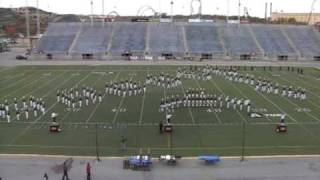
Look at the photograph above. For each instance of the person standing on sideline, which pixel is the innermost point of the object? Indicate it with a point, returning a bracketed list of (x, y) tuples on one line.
[(88, 169), (124, 143), (65, 172), (45, 176), (160, 127)]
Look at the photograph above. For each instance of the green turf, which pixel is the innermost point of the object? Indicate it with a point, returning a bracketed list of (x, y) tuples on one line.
[(196, 131)]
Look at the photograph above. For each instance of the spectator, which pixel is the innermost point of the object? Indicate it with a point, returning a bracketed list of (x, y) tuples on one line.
[(65, 172), (45, 176), (124, 143), (88, 169)]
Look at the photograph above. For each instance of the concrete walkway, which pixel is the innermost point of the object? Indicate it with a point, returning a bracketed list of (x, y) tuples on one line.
[(271, 168), (8, 59)]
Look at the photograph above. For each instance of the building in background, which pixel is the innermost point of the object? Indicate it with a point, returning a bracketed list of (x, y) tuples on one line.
[(298, 17)]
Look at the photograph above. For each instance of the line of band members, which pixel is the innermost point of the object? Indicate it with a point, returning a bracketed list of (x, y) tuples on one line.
[(259, 84), (163, 80), (266, 86), (76, 98), (231, 74), (203, 100), (35, 106)]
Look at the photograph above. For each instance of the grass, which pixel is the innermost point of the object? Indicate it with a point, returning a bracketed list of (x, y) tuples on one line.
[(195, 132)]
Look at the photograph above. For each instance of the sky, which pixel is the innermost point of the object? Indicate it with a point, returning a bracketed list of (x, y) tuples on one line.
[(130, 7)]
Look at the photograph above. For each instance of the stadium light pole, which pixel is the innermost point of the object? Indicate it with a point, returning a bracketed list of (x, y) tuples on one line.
[(243, 141)]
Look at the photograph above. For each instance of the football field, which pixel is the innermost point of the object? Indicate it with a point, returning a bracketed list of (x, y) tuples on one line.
[(197, 130)]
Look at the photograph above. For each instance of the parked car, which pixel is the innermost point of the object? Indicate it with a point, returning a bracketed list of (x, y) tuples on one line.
[(21, 57)]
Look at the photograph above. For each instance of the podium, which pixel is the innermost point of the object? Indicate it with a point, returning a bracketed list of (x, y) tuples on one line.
[(281, 128), (168, 128), (54, 128)]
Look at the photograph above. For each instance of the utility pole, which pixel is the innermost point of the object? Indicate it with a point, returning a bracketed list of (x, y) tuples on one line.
[(91, 18), (200, 9), (243, 141), (228, 9), (27, 25), (266, 12), (38, 20), (97, 144), (171, 10), (239, 9), (271, 11), (103, 13), (160, 13)]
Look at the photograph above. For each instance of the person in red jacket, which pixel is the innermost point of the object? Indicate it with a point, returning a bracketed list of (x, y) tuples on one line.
[(88, 169)]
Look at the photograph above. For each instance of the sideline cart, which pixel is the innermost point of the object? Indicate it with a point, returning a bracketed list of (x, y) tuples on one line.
[(138, 163), (210, 159), (171, 159)]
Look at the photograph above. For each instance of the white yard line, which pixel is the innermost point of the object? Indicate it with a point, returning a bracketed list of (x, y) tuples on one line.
[(275, 105), (296, 105), (160, 148), (142, 108), (5, 69), (37, 87), (220, 90), (11, 78), (49, 92), (142, 105), (235, 87), (52, 106), (23, 132), (189, 109), (309, 114), (26, 85), (215, 113), (119, 106), (295, 84), (176, 124), (96, 107), (17, 82)]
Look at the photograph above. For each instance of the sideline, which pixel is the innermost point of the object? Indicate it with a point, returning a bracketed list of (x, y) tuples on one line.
[(184, 158)]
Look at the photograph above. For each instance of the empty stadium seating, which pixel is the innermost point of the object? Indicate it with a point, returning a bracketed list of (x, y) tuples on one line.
[(58, 38), (273, 41), (129, 37), (56, 44), (305, 39), (203, 39), (238, 40), (92, 39), (183, 40), (62, 29), (166, 38)]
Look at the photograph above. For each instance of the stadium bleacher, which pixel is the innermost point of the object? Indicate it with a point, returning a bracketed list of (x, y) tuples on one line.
[(92, 39), (245, 41), (239, 41), (273, 41), (58, 38), (203, 39), (305, 39), (166, 38), (129, 37)]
